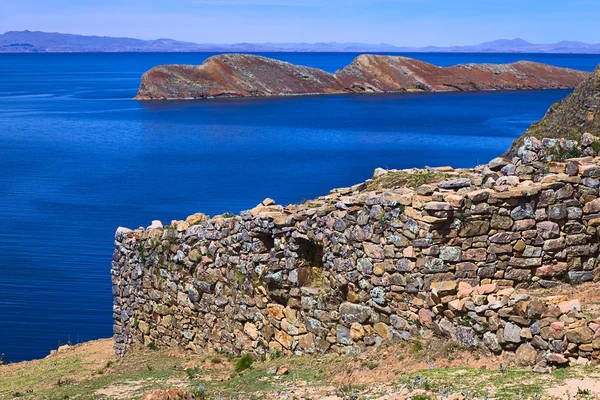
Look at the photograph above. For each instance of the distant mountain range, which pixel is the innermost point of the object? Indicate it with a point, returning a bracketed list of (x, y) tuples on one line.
[(45, 42)]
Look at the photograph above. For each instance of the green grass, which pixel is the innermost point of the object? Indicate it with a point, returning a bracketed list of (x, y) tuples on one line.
[(45, 372), (511, 383), (70, 378)]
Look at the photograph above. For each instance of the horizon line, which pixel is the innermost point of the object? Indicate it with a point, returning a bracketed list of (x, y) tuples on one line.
[(516, 39)]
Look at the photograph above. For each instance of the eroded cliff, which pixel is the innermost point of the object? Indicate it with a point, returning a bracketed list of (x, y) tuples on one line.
[(242, 75)]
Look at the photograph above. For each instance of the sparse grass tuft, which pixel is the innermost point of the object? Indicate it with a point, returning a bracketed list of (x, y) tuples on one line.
[(396, 179), (242, 363)]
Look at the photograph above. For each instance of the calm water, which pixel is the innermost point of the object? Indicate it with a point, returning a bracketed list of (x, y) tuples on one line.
[(80, 158)]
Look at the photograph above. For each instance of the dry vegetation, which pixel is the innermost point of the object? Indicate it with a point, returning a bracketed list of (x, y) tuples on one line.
[(419, 369)]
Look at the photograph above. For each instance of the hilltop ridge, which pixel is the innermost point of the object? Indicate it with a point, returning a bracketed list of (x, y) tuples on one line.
[(571, 117), (52, 42)]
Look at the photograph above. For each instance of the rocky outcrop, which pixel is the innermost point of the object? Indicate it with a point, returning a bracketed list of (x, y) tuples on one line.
[(570, 118), (234, 75), (241, 75), (454, 252)]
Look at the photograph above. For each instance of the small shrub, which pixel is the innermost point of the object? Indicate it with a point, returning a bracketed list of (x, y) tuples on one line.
[(228, 215), (416, 345), (152, 346), (276, 354), (192, 372), (242, 363), (421, 397), (215, 360), (347, 393), (370, 364), (596, 146), (583, 392), (199, 393)]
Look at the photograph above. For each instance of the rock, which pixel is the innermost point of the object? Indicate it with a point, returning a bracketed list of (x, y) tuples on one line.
[(486, 289), (438, 206), (591, 170), (479, 254), (512, 333), (554, 245), (156, 224), (449, 253), (350, 313), (271, 370), (425, 317), (434, 265), (526, 355), (552, 269), (578, 277), (382, 330), (455, 183), (503, 222), (196, 219), (522, 212), (570, 305), (373, 251), (504, 237), (580, 335), (542, 368), (548, 229), (497, 163), (491, 341), (474, 228), (357, 331), (276, 311), (592, 207), (444, 288), (556, 358), (251, 330), (466, 336), (535, 309), (282, 371), (464, 289), (342, 335)]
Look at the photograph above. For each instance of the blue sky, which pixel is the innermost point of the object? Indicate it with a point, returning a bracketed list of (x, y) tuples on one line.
[(399, 22)]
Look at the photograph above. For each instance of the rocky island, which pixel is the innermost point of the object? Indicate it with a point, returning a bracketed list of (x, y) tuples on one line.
[(243, 75)]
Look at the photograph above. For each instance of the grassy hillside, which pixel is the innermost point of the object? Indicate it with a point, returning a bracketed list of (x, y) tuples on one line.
[(424, 369), (571, 117)]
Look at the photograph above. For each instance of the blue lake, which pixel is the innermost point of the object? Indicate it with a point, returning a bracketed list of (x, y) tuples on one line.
[(80, 158)]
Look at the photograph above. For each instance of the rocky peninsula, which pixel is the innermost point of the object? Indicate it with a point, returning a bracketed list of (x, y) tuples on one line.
[(243, 75)]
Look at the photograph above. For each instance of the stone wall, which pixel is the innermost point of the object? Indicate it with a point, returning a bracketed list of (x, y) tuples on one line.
[(456, 253)]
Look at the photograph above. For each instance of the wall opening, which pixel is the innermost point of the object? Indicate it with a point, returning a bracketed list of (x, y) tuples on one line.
[(267, 240), (310, 261)]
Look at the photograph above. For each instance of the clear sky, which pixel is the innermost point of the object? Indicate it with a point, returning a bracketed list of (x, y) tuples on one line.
[(398, 22)]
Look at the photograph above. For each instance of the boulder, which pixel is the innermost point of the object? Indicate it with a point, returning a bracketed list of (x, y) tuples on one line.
[(526, 355), (580, 335)]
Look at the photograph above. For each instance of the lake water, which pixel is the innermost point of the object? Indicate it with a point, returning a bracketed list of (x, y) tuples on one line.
[(80, 158)]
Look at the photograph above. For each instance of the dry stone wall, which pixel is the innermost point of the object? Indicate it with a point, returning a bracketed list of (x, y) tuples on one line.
[(456, 255)]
